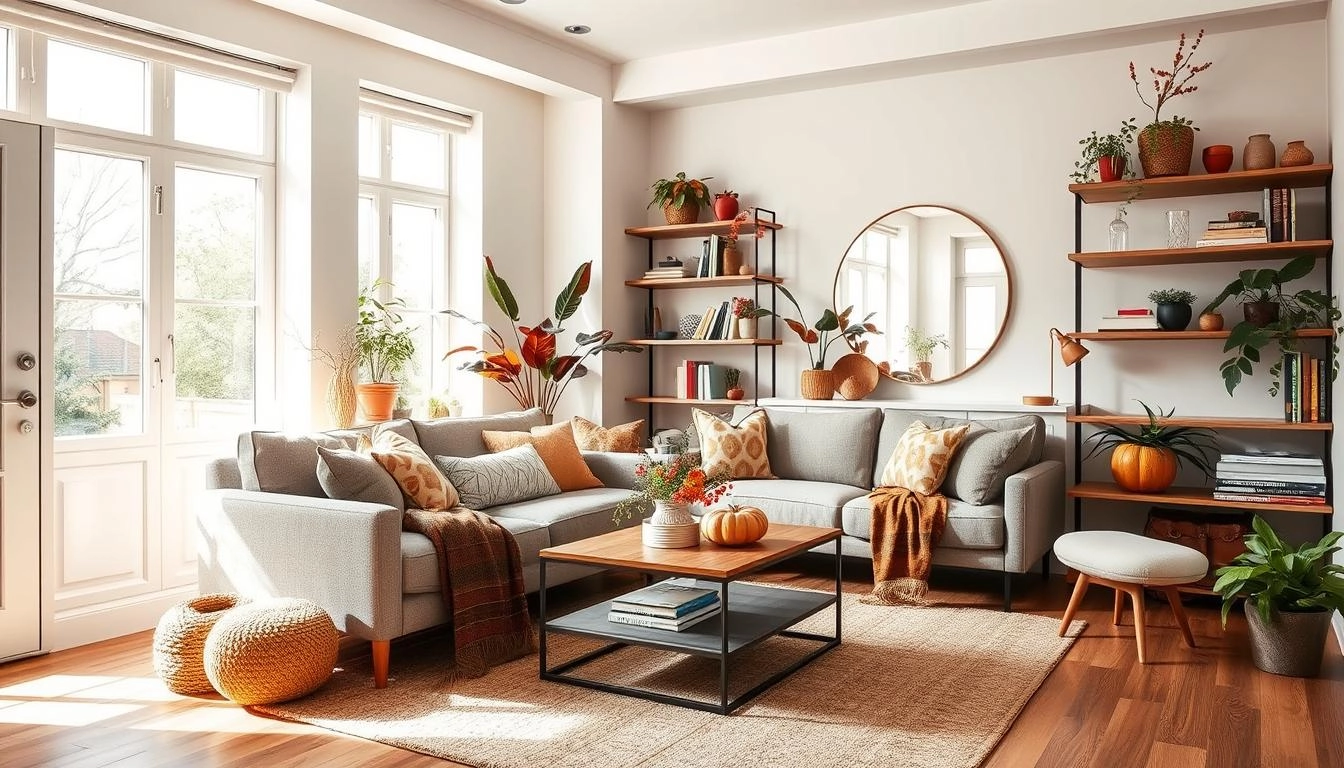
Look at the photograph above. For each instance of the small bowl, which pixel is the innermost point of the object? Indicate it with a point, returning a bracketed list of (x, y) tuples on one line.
[(1217, 158), (665, 335)]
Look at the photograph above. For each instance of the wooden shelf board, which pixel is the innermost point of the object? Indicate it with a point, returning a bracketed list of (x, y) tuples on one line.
[(1221, 254), (703, 282), (1192, 497), (684, 401), (1305, 333), (1208, 422), (706, 342), (1204, 184), (700, 229)]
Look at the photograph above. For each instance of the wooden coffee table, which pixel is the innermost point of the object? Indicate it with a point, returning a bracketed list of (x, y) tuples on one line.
[(749, 615)]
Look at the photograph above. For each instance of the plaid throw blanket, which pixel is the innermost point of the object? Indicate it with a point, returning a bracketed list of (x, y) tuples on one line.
[(906, 526), (481, 573)]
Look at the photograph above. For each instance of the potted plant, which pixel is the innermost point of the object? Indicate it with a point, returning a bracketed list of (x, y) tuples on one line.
[(532, 372), (747, 313), (732, 378), (1290, 597), (386, 346), (671, 487), (1272, 315), (402, 408), (1166, 146), (1108, 155), (921, 346), (1173, 308), (681, 198), (732, 257), (817, 382), (725, 205), (1147, 462)]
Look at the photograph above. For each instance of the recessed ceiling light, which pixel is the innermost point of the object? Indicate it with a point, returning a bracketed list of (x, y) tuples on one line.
[(578, 29), (513, 2)]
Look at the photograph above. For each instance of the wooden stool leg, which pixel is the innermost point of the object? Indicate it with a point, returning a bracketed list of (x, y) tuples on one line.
[(1119, 609), (1140, 620), (1174, 597), (382, 653), (1079, 589)]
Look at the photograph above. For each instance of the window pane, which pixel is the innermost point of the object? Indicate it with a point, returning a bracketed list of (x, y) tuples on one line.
[(981, 319), (215, 235), (214, 367), (414, 249), (6, 74), (98, 364), (96, 87), (368, 242), (100, 222), (981, 260), (417, 156), (216, 113), (369, 154)]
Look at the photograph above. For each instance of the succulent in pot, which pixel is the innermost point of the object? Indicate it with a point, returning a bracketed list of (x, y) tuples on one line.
[(1146, 462), (1173, 308)]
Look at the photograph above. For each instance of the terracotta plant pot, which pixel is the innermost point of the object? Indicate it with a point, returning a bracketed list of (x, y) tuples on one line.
[(924, 370), (1174, 317), (725, 206), (1111, 168), (817, 384), (376, 399), (1296, 153), (1165, 150), (1258, 154), (1260, 313), (687, 213), (1211, 321), (1217, 158), (1289, 644)]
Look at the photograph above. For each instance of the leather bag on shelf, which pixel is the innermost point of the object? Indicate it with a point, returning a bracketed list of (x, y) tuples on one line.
[(1217, 536)]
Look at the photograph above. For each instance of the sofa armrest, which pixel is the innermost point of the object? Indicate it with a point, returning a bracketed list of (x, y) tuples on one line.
[(343, 555), (615, 470), (223, 473), (1033, 511)]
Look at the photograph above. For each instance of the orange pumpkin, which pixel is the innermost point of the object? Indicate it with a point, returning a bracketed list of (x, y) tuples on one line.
[(1143, 468), (734, 526)]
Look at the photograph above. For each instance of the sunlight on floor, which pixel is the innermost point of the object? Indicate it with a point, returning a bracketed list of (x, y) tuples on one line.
[(63, 713), (229, 718)]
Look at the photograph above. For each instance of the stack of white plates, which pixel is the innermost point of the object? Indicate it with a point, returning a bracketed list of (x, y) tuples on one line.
[(671, 536)]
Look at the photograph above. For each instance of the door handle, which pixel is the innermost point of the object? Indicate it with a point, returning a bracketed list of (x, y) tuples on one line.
[(26, 399)]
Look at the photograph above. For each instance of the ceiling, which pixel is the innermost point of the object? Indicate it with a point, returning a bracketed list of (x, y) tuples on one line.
[(624, 30)]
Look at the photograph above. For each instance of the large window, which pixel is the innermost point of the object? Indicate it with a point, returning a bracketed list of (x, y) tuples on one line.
[(875, 277)]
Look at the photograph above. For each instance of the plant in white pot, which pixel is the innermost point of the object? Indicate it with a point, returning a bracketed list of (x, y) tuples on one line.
[(386, 347), (1290, 596)]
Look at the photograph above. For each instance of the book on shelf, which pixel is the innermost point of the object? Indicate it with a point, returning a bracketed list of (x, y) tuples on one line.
[(1238, 224), (1218, 242), (1305, 382), (1274, 485), (1256, 477), (1279, 209), (1305, 501), (668, 594), (1258, 233), (1133, 312), (1270, 469), (1128, 323), (656, 622), (1257, 490), (1252, 456)]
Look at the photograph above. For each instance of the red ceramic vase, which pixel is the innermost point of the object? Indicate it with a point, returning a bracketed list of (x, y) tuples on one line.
[(725, 206), (1217, 158), (1111, 168)]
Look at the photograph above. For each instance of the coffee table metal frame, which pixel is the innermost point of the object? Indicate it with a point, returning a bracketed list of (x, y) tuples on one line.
[(750, 614)]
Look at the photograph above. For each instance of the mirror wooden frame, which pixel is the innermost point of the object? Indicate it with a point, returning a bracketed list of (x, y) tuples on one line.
[(1007, 269)]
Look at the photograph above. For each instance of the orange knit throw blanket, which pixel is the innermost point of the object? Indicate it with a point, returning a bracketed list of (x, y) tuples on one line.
[(906, 527)]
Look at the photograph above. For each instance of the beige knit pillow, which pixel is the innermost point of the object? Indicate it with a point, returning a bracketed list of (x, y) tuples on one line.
[(922, 456), (423, 485), (738, 450)]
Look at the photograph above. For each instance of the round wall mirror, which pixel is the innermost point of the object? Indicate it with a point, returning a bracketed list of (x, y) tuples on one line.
[(940, 289)]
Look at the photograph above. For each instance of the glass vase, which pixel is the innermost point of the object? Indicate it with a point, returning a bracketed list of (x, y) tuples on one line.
[(1118, 232), (1178, 229)]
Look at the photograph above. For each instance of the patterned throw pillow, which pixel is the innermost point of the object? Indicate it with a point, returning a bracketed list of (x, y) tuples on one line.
[(555, 444), (622, 438), (739, 450), (491, 479), (922, 456), (421, 482)]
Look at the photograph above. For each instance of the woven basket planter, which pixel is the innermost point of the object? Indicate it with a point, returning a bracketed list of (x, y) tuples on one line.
[(817, 385), (1166, 150), (271, 651), (686, 213), (179, 642)]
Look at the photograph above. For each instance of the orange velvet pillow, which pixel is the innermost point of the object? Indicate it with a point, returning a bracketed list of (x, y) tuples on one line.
[(555, 444), (622, 438)]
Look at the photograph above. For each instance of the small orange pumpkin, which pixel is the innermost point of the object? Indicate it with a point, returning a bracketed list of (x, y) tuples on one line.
[(1143, 468), (734, 526)]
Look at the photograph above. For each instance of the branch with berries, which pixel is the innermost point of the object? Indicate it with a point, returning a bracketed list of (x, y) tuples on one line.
[(1168, 84)]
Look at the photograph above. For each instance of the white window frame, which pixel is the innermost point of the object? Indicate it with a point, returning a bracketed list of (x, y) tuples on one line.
[(962, 279)]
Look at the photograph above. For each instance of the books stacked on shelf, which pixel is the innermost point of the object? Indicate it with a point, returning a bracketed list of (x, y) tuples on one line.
[(1134, 319), (1270, 477), (1228, 232), (674, 605), (717, 323), (666, 269), (1279, 209), (1305, 381), (701, 380)]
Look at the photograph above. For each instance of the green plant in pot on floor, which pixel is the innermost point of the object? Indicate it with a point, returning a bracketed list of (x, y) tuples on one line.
[(1107, 156), (1165, 146), (1272, 315), (1290, 595), (817, 381), (1147, 461), (1173, 308)]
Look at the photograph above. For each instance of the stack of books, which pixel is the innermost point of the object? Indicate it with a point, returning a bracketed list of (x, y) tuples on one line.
[(1133, 319), (1271, 477), (1279, 209), (1305, 381), (701, 380), (666, 269), (717, 323), (1227, 232), (674, 605)]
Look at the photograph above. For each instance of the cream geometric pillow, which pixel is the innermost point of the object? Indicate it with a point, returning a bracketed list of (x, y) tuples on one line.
[(739, 451), (423, 485), (922, 456)]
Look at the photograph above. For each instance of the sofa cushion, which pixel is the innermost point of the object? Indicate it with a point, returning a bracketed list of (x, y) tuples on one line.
[(276, 462), (895, 422), (517, 474), (461, 436), (983, 463), (423, 485), (736, 450), (356, 476), (796, 502), (420, 565), (622, 438), (922, 457), (833, 446), (555, 444), (571, 516), (969, 526)]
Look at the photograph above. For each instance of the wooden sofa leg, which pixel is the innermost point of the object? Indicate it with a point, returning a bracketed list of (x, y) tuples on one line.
[(1007, 592), (382, 653)]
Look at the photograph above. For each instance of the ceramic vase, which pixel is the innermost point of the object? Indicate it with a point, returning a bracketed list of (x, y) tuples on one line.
[(725, 206), (671, 526), (1217, 158), (1296, 153), (1211, 321), (732, 259), (923, 370), (746, 327), (1174, 317), (1258, 154), (671, 513)]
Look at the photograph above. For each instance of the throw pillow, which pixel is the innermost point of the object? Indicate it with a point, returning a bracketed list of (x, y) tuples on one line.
[(356, 476), (622, 438), (985, 460), (922, 456), (555, 444), (421, 482), (738, 450), (491, 479), (277, 462)]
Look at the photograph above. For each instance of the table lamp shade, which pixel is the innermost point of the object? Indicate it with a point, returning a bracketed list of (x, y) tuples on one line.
[(1070, 351)]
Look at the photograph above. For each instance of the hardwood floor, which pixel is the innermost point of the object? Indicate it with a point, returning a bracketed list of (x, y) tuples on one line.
[(100, 705)]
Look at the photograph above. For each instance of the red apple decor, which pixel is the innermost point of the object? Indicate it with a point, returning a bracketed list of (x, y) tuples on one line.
[(725, 205)]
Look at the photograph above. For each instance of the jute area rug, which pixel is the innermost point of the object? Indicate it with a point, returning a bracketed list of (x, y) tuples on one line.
[(935, 687)]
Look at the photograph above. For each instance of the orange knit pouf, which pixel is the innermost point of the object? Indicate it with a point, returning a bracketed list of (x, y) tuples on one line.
[(271, 650), (179, 642)]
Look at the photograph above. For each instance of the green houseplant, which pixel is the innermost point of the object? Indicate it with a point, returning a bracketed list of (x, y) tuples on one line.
[(1290, 597), (1146, 461), (1165, 146), (921, 346), (1271, 315), (681, 198), (385, 346), (1107, 156), (817, 382), (1173, 308)]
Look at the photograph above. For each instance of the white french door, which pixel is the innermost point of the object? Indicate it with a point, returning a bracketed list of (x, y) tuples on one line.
[(25, 414)]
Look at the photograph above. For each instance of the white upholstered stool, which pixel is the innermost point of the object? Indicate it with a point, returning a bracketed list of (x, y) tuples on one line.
[(1128, 563)]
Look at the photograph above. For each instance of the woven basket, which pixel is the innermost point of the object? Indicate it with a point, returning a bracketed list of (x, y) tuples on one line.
[(271, 651), (1166, 150), (817, 385), (687, 213), (179, 642), (855, 376)]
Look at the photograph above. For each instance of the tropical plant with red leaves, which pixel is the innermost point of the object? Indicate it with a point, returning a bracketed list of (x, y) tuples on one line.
[(679, 190), (531, 371), (837, 326), (1168, 84)]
